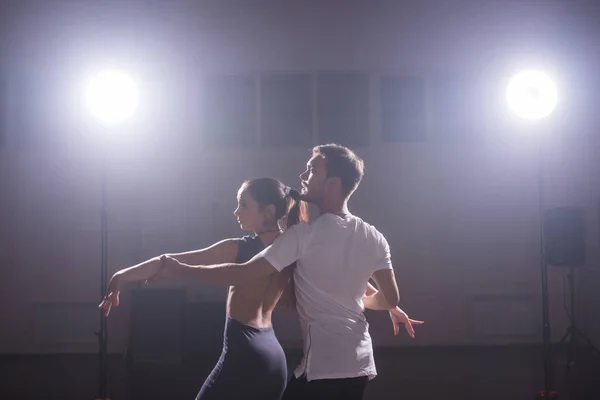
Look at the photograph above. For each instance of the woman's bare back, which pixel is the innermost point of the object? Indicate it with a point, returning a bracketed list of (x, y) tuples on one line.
[(252, 303)]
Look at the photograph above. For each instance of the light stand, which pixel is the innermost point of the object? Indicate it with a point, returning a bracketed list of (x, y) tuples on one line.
[(546, 333), (573, 334), (112, 97), (103, 333), (532, 96)]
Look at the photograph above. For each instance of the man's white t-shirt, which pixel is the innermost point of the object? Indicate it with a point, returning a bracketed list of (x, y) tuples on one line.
[(335, 257)]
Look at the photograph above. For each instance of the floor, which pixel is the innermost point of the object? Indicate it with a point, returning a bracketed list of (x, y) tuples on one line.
[(414, 373)]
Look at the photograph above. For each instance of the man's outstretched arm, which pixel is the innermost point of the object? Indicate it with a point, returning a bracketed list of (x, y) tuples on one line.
[(286, 249), (230, 274)]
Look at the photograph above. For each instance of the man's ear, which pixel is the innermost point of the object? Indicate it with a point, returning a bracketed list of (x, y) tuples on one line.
[(334, 182)]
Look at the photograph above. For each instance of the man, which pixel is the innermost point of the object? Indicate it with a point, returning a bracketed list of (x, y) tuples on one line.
[(336, 255)]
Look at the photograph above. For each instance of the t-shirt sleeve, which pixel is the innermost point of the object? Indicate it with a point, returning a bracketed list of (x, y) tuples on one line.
[(384, 260), (288, 247)]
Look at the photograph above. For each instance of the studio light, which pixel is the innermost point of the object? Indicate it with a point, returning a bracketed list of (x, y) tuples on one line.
[(112, 97), (531, 95)]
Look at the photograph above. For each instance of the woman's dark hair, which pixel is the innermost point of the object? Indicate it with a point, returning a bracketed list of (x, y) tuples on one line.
[(266, 191)]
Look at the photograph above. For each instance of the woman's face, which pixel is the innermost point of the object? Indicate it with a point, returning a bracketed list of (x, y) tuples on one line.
[(248, 212)]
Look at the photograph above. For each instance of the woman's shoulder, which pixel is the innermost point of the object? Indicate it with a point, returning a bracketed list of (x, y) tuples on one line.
[(245, 238)]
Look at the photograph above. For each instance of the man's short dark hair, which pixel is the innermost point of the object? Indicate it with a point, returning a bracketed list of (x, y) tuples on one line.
[(342, 162)]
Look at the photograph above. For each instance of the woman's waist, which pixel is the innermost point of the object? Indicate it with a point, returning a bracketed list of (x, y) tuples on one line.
[(248, 311), (244, 337), (240, 323)]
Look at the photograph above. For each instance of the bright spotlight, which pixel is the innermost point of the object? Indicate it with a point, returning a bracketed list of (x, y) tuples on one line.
[(112, 97), (531, 95)]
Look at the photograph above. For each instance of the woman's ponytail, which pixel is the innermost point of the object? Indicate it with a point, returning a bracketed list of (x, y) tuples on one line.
[(297, 209)]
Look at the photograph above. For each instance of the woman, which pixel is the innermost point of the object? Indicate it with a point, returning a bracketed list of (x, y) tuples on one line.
[(252, 364)]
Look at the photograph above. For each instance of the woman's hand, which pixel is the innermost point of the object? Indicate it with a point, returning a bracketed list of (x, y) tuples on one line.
[(152, 270), (112, 295)]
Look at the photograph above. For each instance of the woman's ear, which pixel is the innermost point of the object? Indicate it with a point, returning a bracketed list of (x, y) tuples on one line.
[(269, 212)]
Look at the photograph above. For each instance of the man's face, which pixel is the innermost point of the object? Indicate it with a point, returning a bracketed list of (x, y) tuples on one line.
[(314, 180)]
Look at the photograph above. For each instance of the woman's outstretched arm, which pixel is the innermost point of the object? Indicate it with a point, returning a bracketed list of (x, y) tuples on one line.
[(224, 251), (221, 252)]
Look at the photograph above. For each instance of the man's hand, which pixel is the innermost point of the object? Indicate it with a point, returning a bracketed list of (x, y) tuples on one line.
[(112, 295), (400, 317)]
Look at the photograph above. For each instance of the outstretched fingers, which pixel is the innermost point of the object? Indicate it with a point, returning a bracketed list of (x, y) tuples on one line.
[(409, 329), (110, 300), (409, 326)]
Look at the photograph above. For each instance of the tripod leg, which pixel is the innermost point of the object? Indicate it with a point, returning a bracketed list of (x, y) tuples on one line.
[(564, 338), (587, 340), (559, 345), (570, 347)]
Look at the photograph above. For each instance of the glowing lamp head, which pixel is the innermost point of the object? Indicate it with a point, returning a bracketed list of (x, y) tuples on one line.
[(112, 97), (531, 95)]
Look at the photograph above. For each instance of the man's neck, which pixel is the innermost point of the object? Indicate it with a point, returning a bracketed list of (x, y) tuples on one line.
[(337, 208)]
